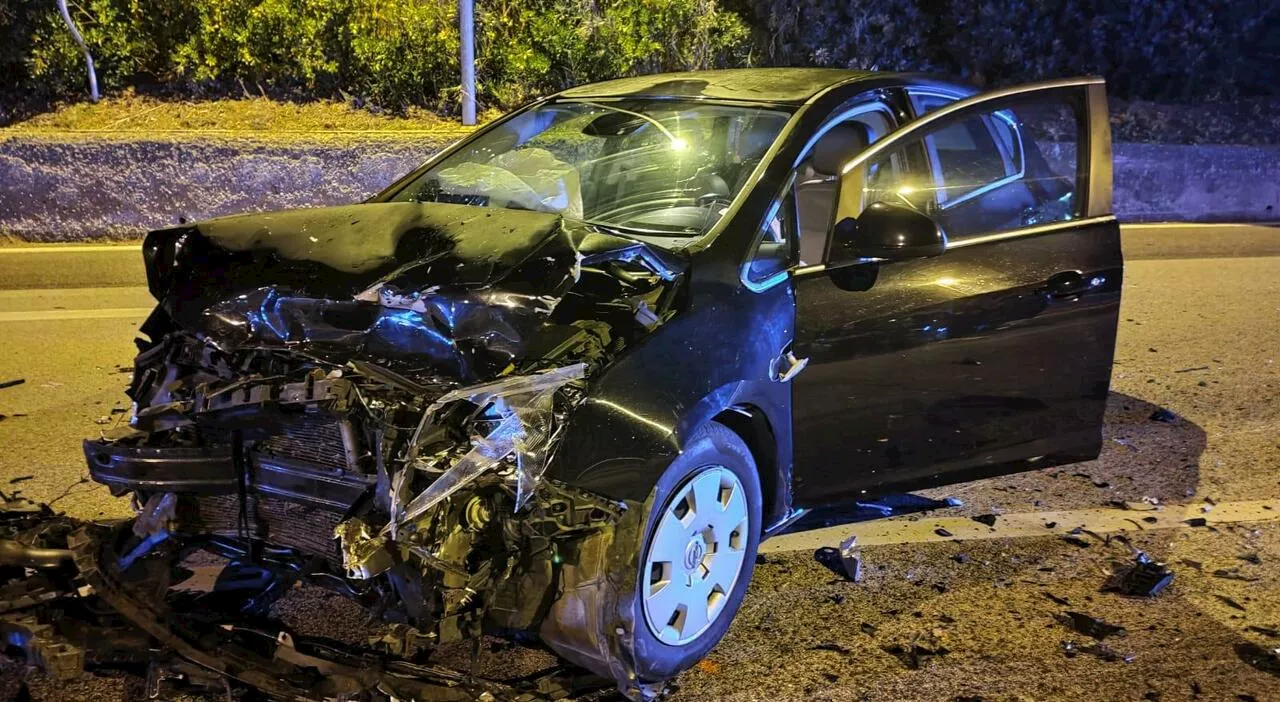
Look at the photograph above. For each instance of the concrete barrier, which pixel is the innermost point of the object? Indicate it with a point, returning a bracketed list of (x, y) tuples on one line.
[(77, 190), (1197, 183)]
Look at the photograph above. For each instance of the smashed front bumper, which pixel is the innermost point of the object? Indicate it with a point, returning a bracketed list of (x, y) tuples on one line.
[(484, 545)]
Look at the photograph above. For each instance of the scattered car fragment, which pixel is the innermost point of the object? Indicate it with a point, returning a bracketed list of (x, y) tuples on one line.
[(845, 561), (1089, 625), (916, 652), (1100, 649), (1141, 578), (562, 380)]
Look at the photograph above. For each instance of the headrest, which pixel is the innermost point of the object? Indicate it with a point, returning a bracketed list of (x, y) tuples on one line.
[(840, 144), (753, 143)]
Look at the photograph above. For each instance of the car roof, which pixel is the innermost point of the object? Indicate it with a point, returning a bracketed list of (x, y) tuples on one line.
[(772, 85)]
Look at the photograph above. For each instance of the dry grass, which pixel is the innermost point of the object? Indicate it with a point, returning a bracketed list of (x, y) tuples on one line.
[(133, 115), (1245, 121)]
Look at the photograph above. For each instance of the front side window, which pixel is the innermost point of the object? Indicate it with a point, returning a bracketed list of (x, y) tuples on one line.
[(963, 154), (965, 158), (994, 170), (664, 169), (773, 251)]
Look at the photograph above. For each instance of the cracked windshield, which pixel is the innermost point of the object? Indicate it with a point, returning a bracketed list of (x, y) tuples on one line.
[(660, 168)]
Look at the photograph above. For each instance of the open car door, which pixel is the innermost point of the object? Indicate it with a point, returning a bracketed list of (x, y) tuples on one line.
[(986, 349)]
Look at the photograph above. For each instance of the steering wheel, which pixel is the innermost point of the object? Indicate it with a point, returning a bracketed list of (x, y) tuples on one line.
[(714, 190), (707, 200)]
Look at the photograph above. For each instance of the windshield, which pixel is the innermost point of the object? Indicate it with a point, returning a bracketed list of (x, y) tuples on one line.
[(662, 168)]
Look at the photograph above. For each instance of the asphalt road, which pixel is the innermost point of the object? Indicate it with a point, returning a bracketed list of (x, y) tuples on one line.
[(968, 612)]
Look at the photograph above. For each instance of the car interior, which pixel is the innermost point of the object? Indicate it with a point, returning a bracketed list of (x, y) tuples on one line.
[(818, 178)]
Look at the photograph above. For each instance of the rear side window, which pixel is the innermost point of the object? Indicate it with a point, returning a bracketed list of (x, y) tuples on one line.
[(853, 127)]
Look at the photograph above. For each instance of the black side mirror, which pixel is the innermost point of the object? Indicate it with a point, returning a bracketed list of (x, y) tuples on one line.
[(885, 231)]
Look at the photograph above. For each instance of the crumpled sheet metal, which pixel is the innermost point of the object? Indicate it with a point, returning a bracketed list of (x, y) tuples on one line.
[(456, 291), (157, 515), (527, 429), (363, 555), (450, 336), (462, 331)]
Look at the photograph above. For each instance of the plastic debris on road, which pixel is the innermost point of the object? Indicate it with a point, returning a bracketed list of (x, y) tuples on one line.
[(1142, 578)]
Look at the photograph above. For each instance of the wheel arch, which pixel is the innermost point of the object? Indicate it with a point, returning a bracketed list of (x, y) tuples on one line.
[(621, 453), (752, 425)]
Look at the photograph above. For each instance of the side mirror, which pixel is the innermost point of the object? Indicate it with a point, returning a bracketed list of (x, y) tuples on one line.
[(885, 231)]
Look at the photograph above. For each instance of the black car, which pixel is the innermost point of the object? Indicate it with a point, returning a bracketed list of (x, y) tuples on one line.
[(562, 380)]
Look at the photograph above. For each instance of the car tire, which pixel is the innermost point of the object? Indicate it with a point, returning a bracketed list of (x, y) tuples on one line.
[(665, 641)]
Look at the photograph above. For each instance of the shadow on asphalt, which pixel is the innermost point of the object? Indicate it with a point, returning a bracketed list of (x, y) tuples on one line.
[(1148, 453)]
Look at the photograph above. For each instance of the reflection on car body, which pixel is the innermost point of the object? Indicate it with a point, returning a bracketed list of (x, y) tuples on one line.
[(564, 378)]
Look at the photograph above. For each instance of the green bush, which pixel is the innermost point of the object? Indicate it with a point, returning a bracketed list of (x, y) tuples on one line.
[(395, 53), (389, 52), (280, 43), (402, 53), (132, 43), (551, 44)]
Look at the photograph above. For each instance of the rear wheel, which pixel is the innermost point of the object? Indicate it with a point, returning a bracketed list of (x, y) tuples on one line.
[(698, 553)]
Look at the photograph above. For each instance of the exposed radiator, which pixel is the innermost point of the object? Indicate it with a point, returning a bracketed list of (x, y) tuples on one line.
[(321, 440), (271, 519)]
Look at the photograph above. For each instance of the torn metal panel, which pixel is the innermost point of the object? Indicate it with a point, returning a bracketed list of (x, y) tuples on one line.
[(157, 515), (1141, 578), (526, 428), (363, 554)]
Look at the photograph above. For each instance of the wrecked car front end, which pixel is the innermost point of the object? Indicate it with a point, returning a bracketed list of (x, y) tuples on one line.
[(365, 399)]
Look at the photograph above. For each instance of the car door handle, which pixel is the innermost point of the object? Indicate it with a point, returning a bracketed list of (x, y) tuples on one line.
[(787, 366), (1065, 284)]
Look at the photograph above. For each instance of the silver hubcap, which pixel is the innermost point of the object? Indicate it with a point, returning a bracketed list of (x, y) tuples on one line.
[(696, 556)]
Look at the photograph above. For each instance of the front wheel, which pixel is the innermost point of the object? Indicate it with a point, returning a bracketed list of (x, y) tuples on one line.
[(698, 552)]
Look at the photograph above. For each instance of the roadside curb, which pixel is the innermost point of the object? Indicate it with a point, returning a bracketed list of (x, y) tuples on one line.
[(1051, 524)]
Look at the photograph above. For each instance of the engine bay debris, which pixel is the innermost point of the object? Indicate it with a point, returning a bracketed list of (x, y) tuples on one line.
[(367, 399)]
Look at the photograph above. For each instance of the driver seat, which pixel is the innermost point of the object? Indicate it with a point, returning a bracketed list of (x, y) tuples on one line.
[(818, 183)]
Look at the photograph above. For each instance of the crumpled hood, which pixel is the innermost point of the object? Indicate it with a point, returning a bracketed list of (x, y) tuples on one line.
[(443, 289)]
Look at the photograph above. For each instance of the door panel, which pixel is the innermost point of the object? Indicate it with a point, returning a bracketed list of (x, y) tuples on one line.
[(957, 363), (993, 357)]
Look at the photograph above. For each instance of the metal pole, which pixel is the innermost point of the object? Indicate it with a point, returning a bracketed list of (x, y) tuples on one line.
[(467, 31), (88, 57)]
